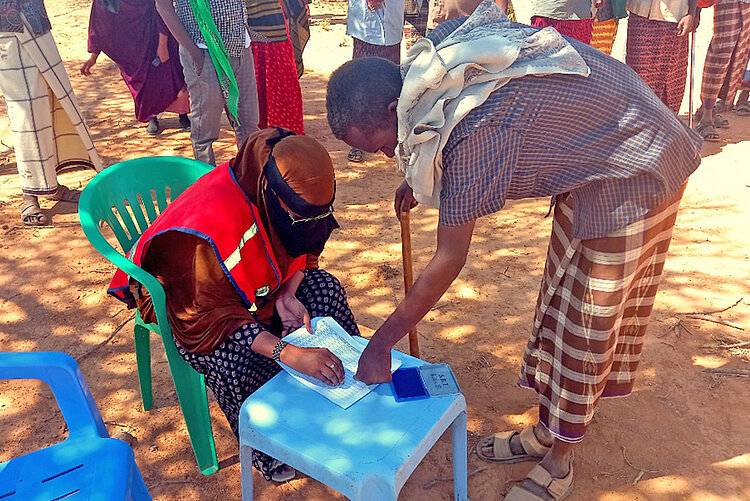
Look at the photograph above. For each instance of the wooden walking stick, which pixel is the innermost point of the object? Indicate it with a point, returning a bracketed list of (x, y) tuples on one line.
[(408, 276), (692, 80)]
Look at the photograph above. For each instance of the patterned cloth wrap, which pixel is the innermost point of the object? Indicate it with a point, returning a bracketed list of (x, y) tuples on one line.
[(443, 83)]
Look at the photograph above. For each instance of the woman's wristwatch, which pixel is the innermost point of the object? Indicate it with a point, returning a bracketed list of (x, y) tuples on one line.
[(276, 354)]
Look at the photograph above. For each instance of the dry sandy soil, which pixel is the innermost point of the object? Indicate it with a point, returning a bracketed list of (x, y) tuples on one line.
[(687, 429)]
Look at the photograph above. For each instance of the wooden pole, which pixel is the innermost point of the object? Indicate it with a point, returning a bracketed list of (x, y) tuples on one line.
[(408, 276), (692, 79)]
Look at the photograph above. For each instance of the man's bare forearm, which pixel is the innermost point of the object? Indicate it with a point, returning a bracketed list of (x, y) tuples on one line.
[(453, 246), (169, 16)]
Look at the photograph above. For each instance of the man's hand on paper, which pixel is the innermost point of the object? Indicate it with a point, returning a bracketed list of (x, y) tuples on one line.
[(374, 364), (319, 363), (292, 313)]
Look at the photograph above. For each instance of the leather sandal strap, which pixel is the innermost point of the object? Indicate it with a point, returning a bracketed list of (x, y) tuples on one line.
[(557, 487), (501, 444), (531, 444)]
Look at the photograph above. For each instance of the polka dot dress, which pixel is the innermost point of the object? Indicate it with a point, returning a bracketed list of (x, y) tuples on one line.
[(233, 371)]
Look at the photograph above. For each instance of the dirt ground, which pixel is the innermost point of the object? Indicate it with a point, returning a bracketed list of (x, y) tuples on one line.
[(684, 430)]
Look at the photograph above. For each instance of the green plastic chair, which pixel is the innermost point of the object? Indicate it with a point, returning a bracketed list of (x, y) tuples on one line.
[(128, 196)]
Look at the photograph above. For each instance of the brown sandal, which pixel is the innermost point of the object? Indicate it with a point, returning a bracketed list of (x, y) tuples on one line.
[(65, 194), (553, 489), (32, 214), (501, 451)]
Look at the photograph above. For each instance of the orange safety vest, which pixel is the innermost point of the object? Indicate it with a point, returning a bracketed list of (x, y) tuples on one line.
[(217, 210)]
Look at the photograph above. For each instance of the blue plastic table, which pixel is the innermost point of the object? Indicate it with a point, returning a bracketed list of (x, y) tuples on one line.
[(366, 452)]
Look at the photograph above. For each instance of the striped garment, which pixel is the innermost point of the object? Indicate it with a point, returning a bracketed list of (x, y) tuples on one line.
[(659, 57), (593, 309), (48, 130), (603, 35), (580, 29), (266, 18), (298, 23), (728, 52)]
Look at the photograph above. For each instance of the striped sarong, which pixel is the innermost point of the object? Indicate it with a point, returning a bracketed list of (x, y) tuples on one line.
[(659, 57), (728, 52), (603, 36), (48, 130), (591, 315)]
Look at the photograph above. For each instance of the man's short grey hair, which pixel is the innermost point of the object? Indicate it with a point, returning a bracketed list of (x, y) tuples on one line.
[(359, 93)]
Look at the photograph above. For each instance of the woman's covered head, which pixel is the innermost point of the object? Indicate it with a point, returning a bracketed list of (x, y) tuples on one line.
[(299, 190)]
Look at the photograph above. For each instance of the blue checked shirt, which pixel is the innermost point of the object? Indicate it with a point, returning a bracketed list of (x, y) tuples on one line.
[(606, 139)]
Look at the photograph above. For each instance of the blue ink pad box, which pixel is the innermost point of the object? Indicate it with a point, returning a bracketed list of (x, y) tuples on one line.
[(430, 380)]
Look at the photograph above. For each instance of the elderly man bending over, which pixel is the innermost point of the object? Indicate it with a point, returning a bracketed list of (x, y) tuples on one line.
[(540, 116)]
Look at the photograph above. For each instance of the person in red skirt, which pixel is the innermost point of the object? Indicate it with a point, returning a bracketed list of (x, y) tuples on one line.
[(279, 92)]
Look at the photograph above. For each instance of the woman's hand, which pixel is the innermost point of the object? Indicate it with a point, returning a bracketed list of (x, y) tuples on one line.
[(88, 64), (292, 313), (404, 201), (315, 362)]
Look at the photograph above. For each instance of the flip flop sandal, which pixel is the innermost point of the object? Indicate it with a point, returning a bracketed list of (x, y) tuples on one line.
[(719, 106), (65, 194), (555, 489), (720, 122), (501, 451), (707, 132), (743, 109), (32, 215), (356, 156)]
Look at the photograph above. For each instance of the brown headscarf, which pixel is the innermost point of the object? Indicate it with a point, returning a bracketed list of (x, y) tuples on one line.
[(202, 305), (303, 163)]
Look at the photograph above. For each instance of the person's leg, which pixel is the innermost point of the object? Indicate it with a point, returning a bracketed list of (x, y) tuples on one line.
[(153, 125), (324, 296), (284, 97), (247, 108), (740, 57), (28, 99), (206, 103), (233, 372), (727, 26), (678, 51), (645, 52), (587, 339)]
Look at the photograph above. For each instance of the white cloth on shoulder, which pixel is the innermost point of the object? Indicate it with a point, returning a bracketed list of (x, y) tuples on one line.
[(443, 83)]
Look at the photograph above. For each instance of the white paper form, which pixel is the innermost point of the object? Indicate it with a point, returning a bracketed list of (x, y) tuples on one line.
[(329, 334)]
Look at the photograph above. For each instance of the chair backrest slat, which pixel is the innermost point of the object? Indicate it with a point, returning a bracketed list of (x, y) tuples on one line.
[(130, 195)]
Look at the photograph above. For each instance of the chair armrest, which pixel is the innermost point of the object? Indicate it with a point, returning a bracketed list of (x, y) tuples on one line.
[(60, 371)]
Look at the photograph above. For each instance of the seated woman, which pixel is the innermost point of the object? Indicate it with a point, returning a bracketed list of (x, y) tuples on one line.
[(237, 254)]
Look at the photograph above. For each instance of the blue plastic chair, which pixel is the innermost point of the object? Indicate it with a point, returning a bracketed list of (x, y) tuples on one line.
[(366, 452), (88, 465)]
